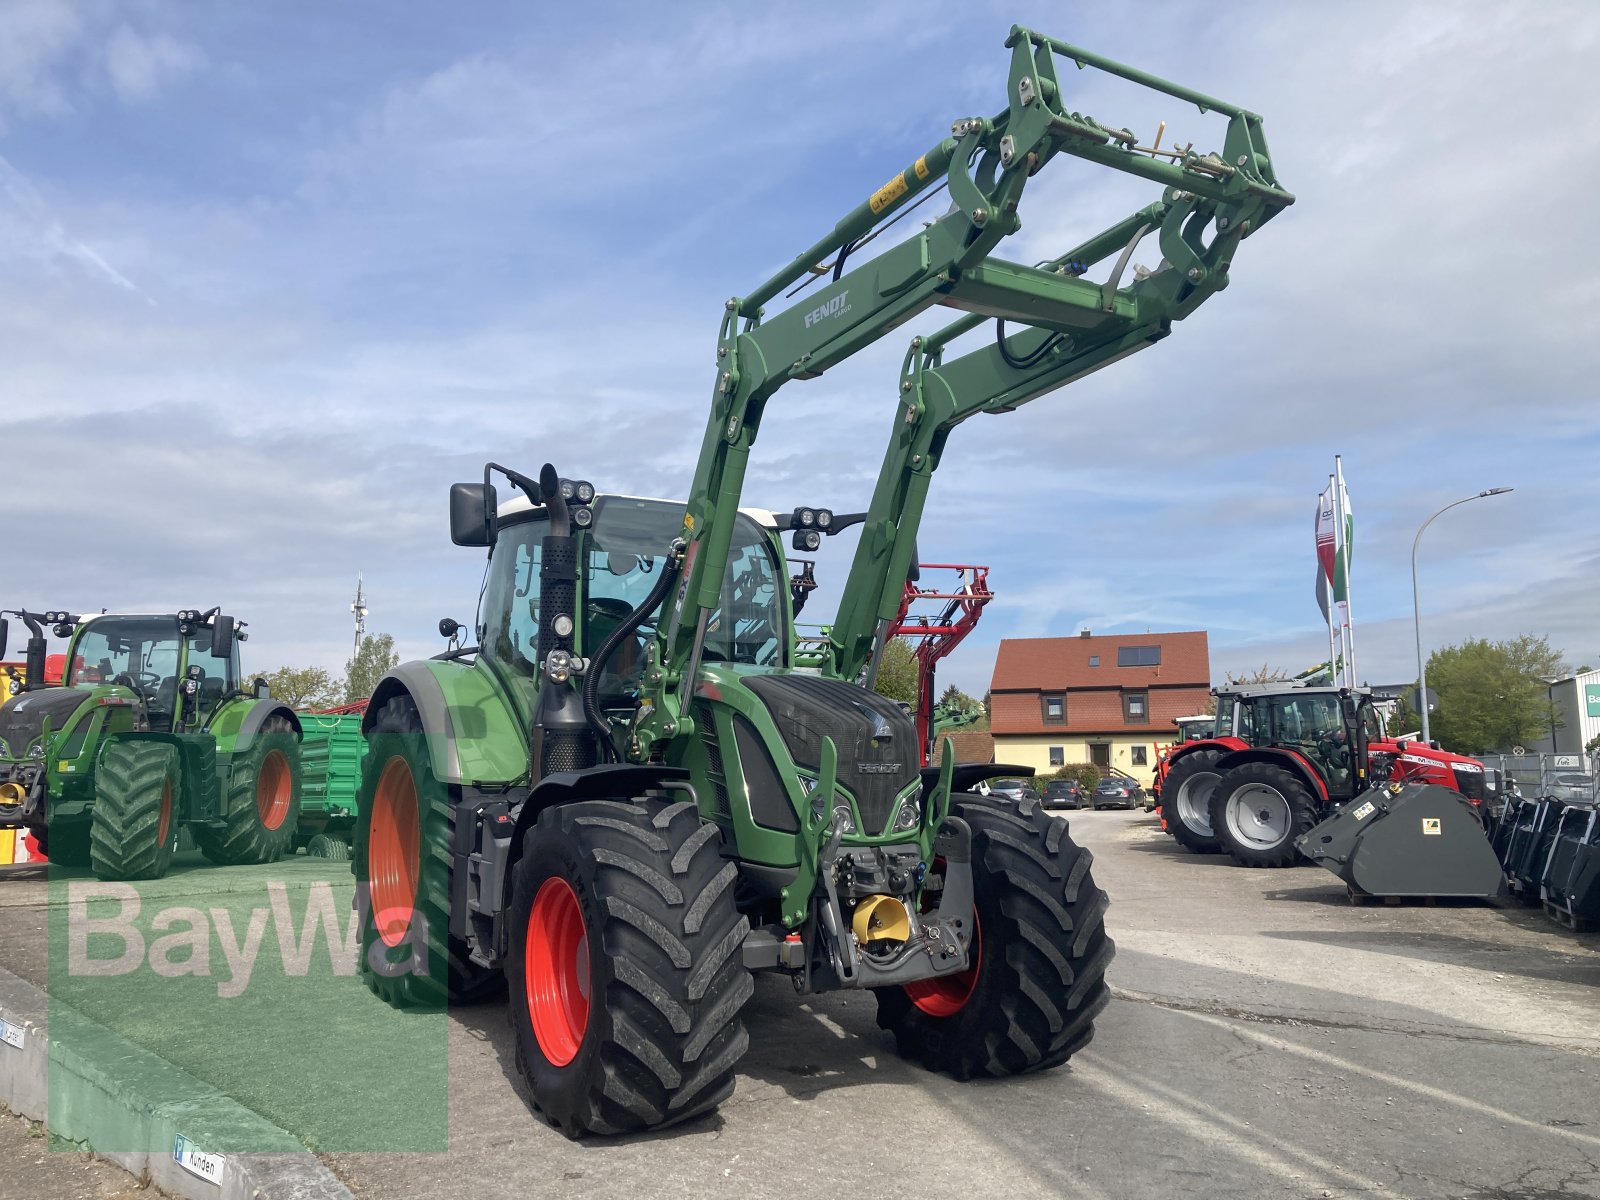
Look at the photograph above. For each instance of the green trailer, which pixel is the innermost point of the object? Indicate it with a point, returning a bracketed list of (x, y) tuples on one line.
[(331, 747)]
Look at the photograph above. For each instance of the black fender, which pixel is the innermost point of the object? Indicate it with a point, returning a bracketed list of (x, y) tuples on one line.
[(414, 679), (968, 775), (258, 716), (608, 781), (1290, 760)]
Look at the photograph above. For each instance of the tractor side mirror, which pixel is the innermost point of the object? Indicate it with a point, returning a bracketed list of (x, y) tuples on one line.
[(223, 630), (472, 510), (5, 629)]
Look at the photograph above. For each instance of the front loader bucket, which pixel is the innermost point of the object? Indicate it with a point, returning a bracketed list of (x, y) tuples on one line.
[(1571, 887), (1528, 850), (1407, 840)]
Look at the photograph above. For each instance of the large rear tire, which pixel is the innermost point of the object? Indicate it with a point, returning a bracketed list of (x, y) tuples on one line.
[(401, 862), (625, 973), (1186, 801), (134, 829), (263, 802), (1258, 810), (1041, 952)]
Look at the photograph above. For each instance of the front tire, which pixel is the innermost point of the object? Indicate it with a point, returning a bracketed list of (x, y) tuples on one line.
[(1186, 801), (134, 829), (401, 862), (1258, 810), (1041, 951), (263, 802), (625, 975)]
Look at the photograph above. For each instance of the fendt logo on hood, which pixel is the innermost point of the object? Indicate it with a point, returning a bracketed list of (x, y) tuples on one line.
[(835, 307)]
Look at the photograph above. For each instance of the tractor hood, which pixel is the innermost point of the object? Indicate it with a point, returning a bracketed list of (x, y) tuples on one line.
[(876, 740), (22, 718), (1422, 761)]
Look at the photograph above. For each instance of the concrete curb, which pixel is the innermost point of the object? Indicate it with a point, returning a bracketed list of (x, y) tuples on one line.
[(144, 1100)]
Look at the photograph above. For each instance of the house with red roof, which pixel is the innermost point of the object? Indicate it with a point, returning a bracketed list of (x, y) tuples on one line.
[(1107, 700)]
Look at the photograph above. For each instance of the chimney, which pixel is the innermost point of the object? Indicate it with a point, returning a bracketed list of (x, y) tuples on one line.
[(1083, 633)]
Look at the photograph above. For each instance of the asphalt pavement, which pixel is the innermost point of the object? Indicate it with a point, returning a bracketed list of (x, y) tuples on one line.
[(1266, 1039)]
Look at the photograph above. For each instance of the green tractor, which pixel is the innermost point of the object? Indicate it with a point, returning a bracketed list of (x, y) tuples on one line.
[(149, 734), (635, 792)]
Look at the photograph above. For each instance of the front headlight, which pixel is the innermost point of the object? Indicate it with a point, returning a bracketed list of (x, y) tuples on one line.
[(908, 815), (841, 811), (36, 750)]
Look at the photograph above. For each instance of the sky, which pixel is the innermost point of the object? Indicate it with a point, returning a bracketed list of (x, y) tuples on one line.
[(273, 276)]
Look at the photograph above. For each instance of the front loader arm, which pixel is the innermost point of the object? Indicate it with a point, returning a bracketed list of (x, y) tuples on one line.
[(1112, 321), (986, 164)]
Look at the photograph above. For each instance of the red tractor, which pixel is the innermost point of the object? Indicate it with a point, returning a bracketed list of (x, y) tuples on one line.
[(1283, 757)]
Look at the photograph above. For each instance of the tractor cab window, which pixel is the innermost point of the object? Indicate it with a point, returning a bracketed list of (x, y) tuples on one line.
[(1371, 721), (621, 556), (139, 653), (1311, 724), (748, 625), (624, 553), (510, 633), (218, 676)]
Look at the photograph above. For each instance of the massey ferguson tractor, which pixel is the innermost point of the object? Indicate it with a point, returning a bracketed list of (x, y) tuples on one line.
[(628, 799), (1283, 757), (148, 733)]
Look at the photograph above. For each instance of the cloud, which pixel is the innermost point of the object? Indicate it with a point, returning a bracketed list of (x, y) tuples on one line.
[(140, 65), (416, 247), (36, 36), (36, 232)]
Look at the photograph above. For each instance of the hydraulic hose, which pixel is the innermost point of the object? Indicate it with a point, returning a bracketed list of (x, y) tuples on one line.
[(591, 680)]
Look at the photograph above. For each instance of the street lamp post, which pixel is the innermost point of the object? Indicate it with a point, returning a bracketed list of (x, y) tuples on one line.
[(1416, 606)]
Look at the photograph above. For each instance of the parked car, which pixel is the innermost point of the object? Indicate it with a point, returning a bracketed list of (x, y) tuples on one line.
[(1063, 793), (1013, 789), (1578, 787), (1112, 792)]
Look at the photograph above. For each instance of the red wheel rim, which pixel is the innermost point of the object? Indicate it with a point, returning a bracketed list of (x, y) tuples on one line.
[(166, 812), (393, 863), (274, 787), (946, 995), (556, 971)]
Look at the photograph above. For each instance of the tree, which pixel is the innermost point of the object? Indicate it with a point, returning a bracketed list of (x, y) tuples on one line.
[(897, 672), (1493, 695), (956, 698), (305, 687), (375, 659)]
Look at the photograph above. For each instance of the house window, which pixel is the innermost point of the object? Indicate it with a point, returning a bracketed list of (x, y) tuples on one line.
[(1058, 756), (1094, 660), (1139, 759), (1138, 656), (1135, 708), (1054, 709)]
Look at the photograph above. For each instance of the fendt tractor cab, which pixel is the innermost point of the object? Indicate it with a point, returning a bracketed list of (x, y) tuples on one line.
[(633, 793), (1282, 757), (149, 733)]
